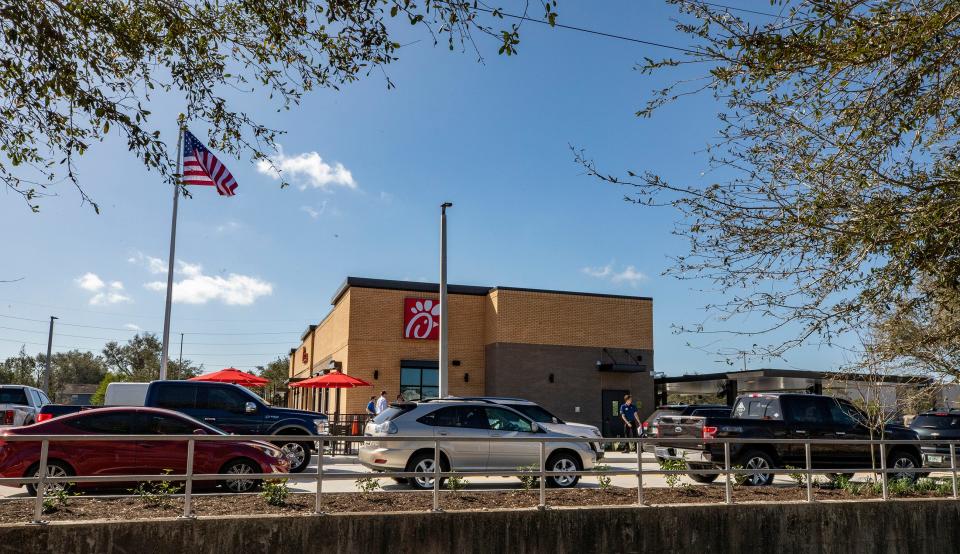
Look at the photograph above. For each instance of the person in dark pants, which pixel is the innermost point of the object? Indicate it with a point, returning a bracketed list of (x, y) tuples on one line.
[(631, 422)]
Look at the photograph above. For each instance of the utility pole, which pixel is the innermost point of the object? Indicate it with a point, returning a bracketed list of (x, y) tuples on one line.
[(46, 369), (443, 299), (181, 353)]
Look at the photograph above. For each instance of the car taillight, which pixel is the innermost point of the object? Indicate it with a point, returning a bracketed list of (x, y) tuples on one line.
[(709, 432), (44, 417), (8, 417)]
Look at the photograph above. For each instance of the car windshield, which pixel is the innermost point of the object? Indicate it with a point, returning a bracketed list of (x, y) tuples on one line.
[(536, 413), (13, 396)]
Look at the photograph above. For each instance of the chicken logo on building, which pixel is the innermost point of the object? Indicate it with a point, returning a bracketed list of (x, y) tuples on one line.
[(421, 318)]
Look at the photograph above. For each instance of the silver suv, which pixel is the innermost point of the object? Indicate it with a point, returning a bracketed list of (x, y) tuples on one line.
[(466, 418)]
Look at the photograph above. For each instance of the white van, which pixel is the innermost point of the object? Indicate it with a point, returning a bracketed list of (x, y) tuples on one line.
[(126, 394)]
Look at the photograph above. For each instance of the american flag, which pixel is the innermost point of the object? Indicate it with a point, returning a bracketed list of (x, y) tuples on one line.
[(201, 167)]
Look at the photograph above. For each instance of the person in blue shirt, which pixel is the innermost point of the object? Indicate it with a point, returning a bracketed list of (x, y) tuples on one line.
[(631, 422), (372, 406)]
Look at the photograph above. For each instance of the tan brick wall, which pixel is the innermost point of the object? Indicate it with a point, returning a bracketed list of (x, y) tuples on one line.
[(377, 343), (573, 320)]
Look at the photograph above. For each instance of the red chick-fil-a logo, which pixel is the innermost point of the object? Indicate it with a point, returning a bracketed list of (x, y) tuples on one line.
[(421, 318)]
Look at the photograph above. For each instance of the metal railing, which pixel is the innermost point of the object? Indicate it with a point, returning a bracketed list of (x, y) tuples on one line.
[(42, 479)]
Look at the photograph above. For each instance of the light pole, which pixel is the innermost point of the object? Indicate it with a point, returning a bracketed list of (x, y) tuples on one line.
[(443, 299), (46, 369)]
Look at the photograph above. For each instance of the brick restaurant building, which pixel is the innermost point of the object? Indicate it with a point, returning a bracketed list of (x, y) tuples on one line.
[(574, 353)]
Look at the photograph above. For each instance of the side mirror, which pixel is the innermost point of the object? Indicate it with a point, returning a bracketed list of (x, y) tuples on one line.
[(555, 420), (535, 428), (199, 432), (250, 408)]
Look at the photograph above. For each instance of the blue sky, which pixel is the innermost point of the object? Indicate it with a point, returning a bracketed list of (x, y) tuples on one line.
[(492, 137)]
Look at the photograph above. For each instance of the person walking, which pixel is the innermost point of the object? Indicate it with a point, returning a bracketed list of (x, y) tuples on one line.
[(372, 407), (631, 421), (381, 402)]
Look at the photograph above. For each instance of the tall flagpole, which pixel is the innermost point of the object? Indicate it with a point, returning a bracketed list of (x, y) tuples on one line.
[(443, 381), (173, 246)]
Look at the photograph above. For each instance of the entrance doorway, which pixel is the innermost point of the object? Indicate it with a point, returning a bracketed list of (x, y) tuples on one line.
[(610, 414)]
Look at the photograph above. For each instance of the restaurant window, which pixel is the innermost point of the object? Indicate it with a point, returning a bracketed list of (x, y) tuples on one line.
[(418, 383)]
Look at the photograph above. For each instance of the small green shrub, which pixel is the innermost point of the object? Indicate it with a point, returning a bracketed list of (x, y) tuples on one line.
[(158, 494), (603, 480), (739, 478), (944, 488), (798, 477), (899, 487), (275, 492), (840, 481), (456, 483), (925, 484), (527, 482), (367, 484), (673, 479), (57, 498)]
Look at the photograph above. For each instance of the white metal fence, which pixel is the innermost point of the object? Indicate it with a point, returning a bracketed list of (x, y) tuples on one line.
[(728, 471)]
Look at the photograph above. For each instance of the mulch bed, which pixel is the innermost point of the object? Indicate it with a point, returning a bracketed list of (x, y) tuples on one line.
[(91, 507)]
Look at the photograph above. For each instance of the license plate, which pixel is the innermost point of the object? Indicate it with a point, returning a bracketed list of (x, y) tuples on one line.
[(935, 459), (662, 452)]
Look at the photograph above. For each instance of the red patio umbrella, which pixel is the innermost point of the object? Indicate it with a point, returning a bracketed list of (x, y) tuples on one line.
[(233, 375), (332, 380)]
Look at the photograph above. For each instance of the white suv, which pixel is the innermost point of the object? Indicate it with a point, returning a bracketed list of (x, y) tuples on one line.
[(468, 418)]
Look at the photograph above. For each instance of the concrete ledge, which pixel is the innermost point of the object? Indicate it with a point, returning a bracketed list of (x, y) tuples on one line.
[(904, 526)]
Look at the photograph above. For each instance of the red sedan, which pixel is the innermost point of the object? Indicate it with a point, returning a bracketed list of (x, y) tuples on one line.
[(106, 457)]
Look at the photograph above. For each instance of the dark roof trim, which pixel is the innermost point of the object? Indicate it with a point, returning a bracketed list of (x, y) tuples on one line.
[(794, 373), (426, 364), (309, 330), (472, 290)]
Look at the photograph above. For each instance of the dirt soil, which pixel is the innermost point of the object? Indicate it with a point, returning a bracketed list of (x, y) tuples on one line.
[(91, 507)]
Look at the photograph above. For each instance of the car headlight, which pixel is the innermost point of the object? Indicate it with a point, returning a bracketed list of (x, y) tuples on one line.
[(269, 451), (387, 427), (321, 426)]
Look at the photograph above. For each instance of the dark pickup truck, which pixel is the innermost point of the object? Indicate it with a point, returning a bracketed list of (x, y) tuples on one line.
[(231, 408), (784, 416)]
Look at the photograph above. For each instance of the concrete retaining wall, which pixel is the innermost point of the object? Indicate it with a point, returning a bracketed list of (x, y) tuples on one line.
[(902, 527)]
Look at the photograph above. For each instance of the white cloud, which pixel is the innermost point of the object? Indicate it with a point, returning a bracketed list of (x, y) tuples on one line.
[(153, 265), (315, 212), (90, 281), (111, 293), (628, 274), (132, 327), (386, 197), (197, 288), (228, 227), (307, 170)]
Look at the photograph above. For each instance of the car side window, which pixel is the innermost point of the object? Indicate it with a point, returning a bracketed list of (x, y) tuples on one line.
[(809, 409), (36, 398), (166, 425), (467, 417), (843, 414), (219, 398), (505, 420), (44, 400), (176, 397), (102, 424)]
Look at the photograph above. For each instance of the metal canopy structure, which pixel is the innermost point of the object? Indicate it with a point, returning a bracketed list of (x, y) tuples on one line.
[(728, 385)]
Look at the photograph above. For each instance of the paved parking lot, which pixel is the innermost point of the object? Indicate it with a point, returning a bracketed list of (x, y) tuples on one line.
[(334, 465)]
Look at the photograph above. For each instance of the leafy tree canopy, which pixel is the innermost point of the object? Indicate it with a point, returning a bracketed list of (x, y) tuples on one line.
[(72, 71), (833, 199)]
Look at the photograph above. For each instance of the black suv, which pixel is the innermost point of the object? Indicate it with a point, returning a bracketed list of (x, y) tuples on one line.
[(942, 424)]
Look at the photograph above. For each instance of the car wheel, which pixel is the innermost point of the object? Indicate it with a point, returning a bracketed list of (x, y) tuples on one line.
[(563, 462), (759, 463), (700, 478), (901, 459), (236, 469), (54, 469), (423, 463), (298, 453)]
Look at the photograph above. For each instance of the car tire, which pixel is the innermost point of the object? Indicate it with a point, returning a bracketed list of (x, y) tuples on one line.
[(700, 478), (238, 467), (401, 480), (297, 452), (904, 459), (564, 461), (55, 468), (757, 460), (423, 462)]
